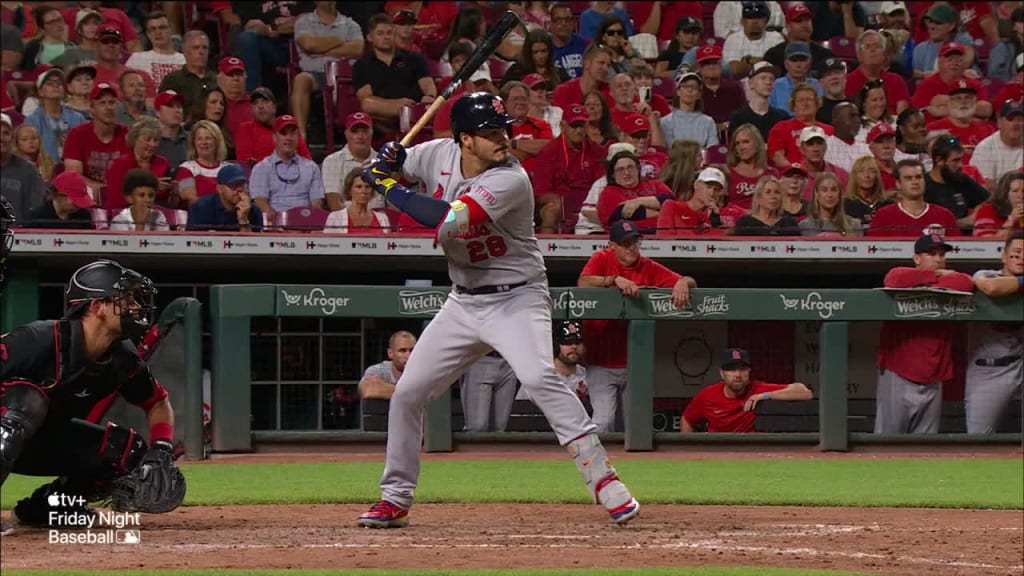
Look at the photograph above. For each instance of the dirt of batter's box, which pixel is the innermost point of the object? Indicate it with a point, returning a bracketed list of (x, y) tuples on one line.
[(897, 541)]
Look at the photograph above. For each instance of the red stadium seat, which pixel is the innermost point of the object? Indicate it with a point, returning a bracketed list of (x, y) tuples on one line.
[(844, 47), (438, 69), (993, 86), (664, 87), (302, 218), (498, 68), (714, 41), (176, 219), (716, 155), (100, 219), (339, 98), (414, 113)]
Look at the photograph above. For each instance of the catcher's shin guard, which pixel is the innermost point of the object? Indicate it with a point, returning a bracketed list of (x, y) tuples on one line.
[(601, 479), (23, 408)]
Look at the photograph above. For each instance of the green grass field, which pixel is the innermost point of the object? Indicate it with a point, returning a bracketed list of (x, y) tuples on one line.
[(938, 483)]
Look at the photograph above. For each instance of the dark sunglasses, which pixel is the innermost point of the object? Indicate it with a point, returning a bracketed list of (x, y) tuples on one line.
[(616, 32), (110, 41)]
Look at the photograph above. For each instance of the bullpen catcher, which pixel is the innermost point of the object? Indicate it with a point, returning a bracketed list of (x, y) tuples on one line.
[(59, 377)]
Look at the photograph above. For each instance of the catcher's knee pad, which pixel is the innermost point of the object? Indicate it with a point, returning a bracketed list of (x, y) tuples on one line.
[(598, 474), (23, 408)]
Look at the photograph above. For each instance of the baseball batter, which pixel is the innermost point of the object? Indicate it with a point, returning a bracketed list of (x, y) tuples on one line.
[(996, 366), (480, 204)]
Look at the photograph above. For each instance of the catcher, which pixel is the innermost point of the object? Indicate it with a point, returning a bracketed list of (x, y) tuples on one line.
[(59, 377)]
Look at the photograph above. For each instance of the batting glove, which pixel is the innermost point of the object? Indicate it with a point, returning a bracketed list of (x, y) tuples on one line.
[(393, 156)]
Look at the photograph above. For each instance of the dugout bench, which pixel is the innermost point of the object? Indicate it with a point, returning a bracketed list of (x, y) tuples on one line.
[(232, 307)]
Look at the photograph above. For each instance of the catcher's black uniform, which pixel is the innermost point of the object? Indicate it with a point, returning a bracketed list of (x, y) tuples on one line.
[(48, 356)]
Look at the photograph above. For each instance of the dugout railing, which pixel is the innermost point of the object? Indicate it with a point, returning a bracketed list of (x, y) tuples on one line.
[(233, 306)]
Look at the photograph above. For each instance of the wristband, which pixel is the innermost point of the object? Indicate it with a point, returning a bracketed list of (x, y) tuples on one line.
[(161, 431)]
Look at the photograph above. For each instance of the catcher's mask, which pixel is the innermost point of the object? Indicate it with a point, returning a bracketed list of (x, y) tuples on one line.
[(132, 294), (6, 237)]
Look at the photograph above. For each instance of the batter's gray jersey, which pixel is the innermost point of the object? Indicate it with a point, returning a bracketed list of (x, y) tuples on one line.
[(382, 370), (503, 251), (577, 382)]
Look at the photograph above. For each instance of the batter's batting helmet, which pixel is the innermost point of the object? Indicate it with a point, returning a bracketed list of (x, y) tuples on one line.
[(479, 111)]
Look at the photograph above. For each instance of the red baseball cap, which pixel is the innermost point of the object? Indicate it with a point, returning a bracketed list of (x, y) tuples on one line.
[(285, 121), (102, 87), (357, 119), (229, 64), (794, 167), (797, 11), (635, 123), (43, 71), (72, 184), (950, 48), (109, 30), (166, 97), (533, 80), (709, 52), (879, 130), (575, 113)]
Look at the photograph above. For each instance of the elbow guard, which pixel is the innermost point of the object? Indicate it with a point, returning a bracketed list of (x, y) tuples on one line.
[(455, 222)]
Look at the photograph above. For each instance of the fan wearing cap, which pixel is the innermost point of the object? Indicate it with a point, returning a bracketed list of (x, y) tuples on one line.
[(932, 94), (529, 135), (975, 17), (405, 31), (688, 121), (1002, 151), (691, 214), (947, 185), (49, 47), (687, 36), (639, 131), (1014, 89), (814, 158), (943, 24), (727, 17), (784, 138), (388, 78), (625, 106), (628, 196), (915, 358), (231, 79), (20, 181), (588, 221), (747, 47), (109, 67), (74, 18), (833, 88), (53, 118), (66, 207), (800, 28), (286, 179), (195, 75), (91, 147), (730, 404), (797, 64), (793, 183), (230, 209), (540, 102), (321, 36), (568, 352), (622, 267), (254, 138), (720, 96), (873, 64), (912, 215), (358, 152), (960, 121), (757, 110), (565, 170), (881, 141)]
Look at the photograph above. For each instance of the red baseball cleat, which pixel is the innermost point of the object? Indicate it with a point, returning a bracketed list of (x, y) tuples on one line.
[(384, 514)]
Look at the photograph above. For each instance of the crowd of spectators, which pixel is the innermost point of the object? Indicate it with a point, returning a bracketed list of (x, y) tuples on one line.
[(818, 118)]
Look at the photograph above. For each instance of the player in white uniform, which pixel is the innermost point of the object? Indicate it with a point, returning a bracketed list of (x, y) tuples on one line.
[(481, 208)]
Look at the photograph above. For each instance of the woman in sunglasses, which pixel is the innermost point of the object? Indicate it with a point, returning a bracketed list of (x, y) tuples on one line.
[(613, 34)]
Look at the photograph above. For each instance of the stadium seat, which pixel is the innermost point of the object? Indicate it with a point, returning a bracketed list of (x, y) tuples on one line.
[(982, 48), (993, 86), (664, 88), (438, 69), (301, 218), (176, 219), (714, 41), (409, 115), (339, 98), (716, 155), (844, 48), (100, 218), (498, 68)]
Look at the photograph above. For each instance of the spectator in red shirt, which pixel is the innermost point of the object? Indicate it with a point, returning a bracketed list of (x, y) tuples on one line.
[(565, 170), (748, 163), (91, 147), (1004, 212), (691, 215), (932, 93), (108, 61), (628, 197), (721, 96), (730, 405), (596, 61), (873, 65), (882, 143), (231, 80), (255, 138), (960, 121), (660, 18), (911, 216), (640, 131), (143, 138), (529, 135), (620, 266), (784, 138), (916, 357)]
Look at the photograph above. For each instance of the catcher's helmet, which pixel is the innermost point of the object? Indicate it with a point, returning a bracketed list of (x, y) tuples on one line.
[(6, 235), (479, 111), (108, 280)]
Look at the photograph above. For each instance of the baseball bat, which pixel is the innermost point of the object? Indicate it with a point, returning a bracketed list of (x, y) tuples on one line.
[(473, 63)]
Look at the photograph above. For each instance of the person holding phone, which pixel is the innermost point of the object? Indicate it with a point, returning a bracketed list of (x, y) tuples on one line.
[(143, 139)]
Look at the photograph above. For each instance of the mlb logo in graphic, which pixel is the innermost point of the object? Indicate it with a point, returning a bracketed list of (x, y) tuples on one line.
[(128, 536)]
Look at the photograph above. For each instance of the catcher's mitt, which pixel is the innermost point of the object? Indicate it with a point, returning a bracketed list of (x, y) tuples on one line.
[(155, 486)]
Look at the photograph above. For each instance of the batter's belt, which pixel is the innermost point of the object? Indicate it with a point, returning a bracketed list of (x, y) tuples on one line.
[(495, 289)]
